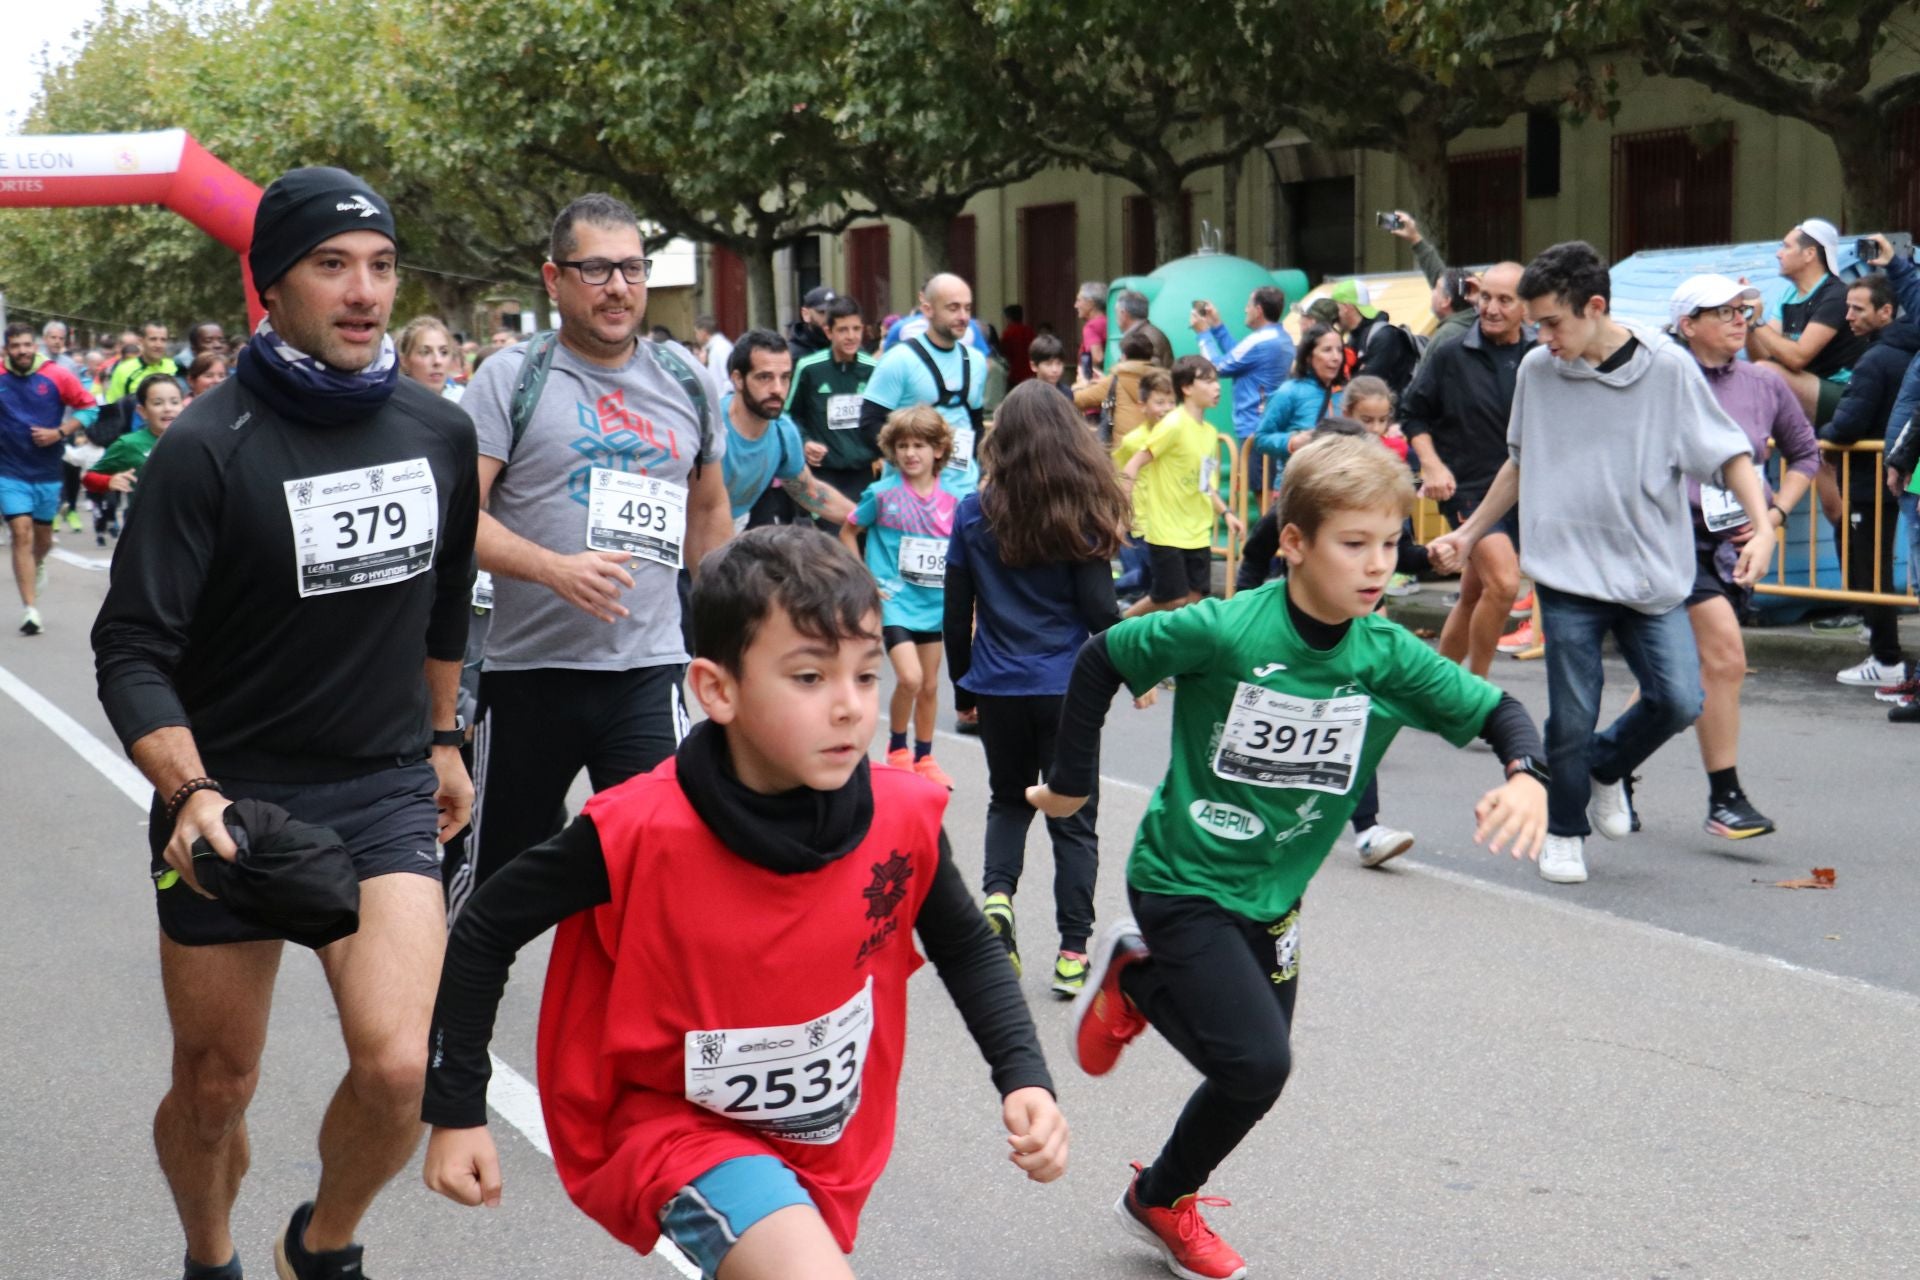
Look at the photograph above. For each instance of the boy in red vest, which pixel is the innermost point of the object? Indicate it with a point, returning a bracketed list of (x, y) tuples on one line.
[(725, 1011)]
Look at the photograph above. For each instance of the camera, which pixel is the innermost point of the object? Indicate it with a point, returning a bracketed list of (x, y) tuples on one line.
[(1389, 221)]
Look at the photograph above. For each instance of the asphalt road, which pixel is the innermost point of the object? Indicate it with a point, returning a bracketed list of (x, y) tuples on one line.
[(1669, 1071)]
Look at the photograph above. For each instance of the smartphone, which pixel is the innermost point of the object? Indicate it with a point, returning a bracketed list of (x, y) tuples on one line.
[(1866, 249), (1388, 221)]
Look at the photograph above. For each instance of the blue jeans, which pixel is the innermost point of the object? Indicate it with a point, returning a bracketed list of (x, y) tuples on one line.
[(1660, 652)]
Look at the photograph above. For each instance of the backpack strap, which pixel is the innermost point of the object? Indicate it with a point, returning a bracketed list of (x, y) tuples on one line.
[(691, 383), (948, 397), (528, 386)]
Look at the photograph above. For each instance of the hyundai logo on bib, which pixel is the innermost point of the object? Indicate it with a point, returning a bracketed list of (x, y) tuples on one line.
[(1227, 820)]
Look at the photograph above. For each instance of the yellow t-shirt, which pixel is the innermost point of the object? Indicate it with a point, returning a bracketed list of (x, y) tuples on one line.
[(1128, 445), (1175, 490)]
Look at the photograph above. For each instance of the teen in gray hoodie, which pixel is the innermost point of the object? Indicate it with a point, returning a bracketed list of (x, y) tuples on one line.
[(1609, 421)]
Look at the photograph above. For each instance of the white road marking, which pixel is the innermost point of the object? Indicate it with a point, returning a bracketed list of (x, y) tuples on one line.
[(108, 762), (510, 1094), (65, 556)]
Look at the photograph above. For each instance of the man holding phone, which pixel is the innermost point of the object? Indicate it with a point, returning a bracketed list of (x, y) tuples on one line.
[(1257, 363)]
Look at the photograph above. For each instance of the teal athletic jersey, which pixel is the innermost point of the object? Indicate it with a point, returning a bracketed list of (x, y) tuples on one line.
[(1273, 741)]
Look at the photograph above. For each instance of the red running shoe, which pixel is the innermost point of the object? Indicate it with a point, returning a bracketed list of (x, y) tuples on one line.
[(1190, 1248), (1104, 1020)]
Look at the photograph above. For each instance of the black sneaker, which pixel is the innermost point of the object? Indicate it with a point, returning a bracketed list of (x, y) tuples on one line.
[(1736, 819), (1907, 712), (291, 1261), (191, 1270)]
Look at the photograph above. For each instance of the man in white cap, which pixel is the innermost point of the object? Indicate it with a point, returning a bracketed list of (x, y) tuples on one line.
[(1711, 315), (1809, 343)]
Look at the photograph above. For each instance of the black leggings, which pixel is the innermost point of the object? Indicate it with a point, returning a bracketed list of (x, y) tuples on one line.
[(537, 730), (1018, 735), (69, 486), (1220, 988)]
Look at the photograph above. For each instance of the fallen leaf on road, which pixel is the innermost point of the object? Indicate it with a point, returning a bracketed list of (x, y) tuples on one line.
[(1822, 878), (1426, 633)]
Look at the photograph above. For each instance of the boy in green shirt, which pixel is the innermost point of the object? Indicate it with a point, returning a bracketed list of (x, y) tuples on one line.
[(1288, 697), (825, 404), (1178, 470)]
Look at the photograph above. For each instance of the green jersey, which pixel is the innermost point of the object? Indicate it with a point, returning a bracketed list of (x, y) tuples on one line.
[(1273, 741), (825, 404)]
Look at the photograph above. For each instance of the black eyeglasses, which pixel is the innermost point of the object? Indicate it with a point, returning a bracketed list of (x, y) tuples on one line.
[(600, 270), (1724, 314)]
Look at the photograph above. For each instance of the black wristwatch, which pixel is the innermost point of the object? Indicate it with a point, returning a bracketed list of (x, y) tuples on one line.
[(454, 737), (1535, 769)]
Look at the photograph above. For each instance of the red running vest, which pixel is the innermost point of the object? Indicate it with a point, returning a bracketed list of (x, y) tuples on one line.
[(777, 1001)]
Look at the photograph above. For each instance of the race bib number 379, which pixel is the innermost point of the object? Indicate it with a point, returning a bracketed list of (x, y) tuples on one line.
[(1277, 740), (798, 1083), (364, 528)]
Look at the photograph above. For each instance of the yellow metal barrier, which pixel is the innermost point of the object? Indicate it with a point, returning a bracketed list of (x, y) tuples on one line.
[(1844, 456), (1227, 543)]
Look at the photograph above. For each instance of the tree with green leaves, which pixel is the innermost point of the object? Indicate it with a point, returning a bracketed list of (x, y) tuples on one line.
[(1149, 92), (711, 129), (917, 140)]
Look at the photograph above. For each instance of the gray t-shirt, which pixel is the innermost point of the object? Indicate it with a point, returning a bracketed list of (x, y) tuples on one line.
[(636, 419)]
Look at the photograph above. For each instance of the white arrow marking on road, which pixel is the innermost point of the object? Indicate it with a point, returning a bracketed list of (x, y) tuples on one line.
[(509, 1093), (65, 556)]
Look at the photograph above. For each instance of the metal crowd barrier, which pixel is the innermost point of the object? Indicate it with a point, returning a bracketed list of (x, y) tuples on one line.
[(1226, 543), (1844, 457)]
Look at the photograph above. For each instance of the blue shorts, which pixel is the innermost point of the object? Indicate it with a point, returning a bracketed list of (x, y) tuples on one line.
[(712, 1212), (37, 498)]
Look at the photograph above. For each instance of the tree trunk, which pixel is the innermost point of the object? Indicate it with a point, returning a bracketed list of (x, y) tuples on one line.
[(1866, 172), (1168, 241), (762, 308), (1425, 153), (1230, 203), (931, 229), (453, 300)]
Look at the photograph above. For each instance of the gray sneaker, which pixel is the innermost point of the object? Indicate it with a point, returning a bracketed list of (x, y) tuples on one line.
[(1563, 860)]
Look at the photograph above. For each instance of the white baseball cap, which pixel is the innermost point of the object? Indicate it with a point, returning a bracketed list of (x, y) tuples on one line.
[(1828, 236), (1699, 292)]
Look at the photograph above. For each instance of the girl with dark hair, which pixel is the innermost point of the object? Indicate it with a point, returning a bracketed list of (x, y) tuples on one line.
[(1028, 580)]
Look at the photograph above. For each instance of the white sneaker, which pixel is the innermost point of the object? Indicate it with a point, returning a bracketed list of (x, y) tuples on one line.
[(1563, 861), (1609, 810), (1873, 673), (30, 622), (1377, 844)]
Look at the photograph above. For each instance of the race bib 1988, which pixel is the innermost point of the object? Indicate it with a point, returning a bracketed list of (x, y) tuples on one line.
[(1278, 740), (843, 412), (798, 1083), (923, 561), (643, 516), (364, 528)]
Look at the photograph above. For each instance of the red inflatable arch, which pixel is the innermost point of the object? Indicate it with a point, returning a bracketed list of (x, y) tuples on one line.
[(166, 168)]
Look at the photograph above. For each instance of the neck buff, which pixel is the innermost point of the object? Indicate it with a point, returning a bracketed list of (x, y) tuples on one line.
[(299, 387)]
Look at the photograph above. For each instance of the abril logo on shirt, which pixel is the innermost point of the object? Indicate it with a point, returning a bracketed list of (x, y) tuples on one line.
[(1227, 820)]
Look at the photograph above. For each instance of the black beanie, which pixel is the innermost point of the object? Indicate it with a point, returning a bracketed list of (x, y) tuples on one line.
[(304, 207)]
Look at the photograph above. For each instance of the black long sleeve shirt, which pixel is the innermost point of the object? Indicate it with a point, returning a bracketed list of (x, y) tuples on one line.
[(204, 623), (788, 833)]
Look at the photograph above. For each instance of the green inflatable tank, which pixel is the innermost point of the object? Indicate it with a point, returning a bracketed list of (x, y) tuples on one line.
[(1211, 276)]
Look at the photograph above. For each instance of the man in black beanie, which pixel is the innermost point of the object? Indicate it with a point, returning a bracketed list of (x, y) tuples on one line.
[(289, 628)]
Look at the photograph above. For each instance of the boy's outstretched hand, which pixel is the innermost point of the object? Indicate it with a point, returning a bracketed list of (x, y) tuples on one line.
[(1037, 1132), (1513, 815), (463, 1166), (1043, 798)]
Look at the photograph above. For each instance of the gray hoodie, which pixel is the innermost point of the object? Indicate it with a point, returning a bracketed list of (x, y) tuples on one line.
[(1603, 461)]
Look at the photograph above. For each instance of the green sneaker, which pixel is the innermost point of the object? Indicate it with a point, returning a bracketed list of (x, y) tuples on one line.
[(73, 521), (1069, 974), (998, 909)]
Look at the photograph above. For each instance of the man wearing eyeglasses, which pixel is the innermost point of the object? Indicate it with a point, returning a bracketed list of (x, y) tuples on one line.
[(614, 484)]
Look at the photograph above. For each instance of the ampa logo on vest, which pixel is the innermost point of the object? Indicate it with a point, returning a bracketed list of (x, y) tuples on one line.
[(1227, 820)]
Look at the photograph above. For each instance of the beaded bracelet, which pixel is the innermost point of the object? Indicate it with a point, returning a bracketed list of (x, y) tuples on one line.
[(187, 789)]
